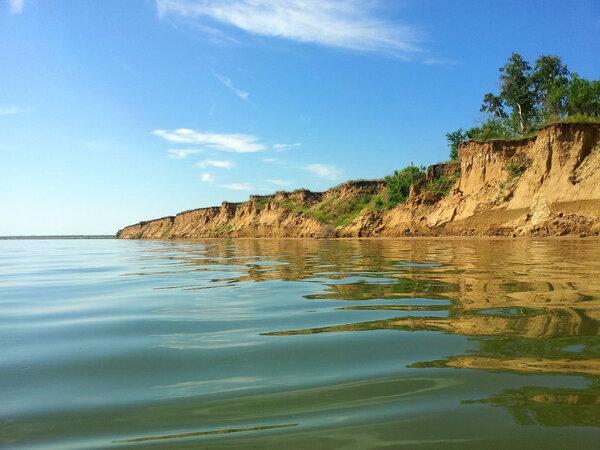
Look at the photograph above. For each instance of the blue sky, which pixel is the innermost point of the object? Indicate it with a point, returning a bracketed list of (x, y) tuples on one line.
[(115, 111)]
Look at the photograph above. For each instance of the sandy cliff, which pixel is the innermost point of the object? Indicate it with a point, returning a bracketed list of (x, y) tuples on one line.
[(545, 185)]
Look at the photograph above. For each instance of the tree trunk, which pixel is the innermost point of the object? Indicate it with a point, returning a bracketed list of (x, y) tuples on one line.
[(521, 124)]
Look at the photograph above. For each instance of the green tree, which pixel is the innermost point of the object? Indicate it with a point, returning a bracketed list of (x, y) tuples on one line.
[(398, 184), (516, 91), (455, 139), (494, 106), (583, 97), (550, 78)]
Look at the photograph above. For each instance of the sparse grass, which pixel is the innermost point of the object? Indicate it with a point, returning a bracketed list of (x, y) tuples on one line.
[(220, 230), (517, 165), (333, 212), (440, 187), (577, 118), (262, 202)]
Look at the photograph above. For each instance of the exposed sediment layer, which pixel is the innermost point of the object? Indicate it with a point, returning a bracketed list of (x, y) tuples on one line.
[(545, 185)]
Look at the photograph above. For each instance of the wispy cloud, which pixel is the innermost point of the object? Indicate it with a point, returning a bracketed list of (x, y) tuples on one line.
[(278, 182), (9, 110), (229, 85), (348, 24), (433, 61), (283, 147), (181, 153), (218, 163), (238, 143), (238, 186), (16, 6), (207, 177), (324, 171)]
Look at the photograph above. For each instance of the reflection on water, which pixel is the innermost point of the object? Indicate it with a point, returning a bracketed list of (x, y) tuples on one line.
[(300, 343)]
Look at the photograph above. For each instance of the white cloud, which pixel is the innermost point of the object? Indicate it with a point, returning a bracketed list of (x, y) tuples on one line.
[(181, 153), (348, 24), (281, 183), (218, 163), (324, 171), (229, 85), (283, 147), (16, 6), (238, 143), (9, 110), (238, 186), (207, 177)]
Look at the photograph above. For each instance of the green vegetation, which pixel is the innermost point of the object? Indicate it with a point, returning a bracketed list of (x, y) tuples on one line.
[(440, 186), (334, 211), (455, 139), (221, 230), (398, 184), (531, 98)]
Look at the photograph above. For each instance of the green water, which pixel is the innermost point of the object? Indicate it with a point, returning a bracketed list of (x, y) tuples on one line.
[(296, 344)]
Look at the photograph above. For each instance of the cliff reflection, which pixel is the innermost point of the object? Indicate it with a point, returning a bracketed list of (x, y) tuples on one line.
[(523, 302), (550, 406)]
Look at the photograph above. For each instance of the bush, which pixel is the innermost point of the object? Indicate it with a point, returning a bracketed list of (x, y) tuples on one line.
[(491, 129), (440, 187), (398, 184)]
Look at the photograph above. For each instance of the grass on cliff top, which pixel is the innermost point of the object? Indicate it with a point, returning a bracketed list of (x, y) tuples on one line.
[(334, 211), (339, 211)]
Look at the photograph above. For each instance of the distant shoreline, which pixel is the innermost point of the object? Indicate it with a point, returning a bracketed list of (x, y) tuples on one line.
[(56, 236)]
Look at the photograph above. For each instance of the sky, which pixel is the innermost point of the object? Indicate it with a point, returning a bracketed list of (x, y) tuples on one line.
[(113, 112)]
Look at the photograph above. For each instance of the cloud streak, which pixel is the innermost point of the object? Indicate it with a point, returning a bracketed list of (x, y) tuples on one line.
[(326, 171), (217, 163), (282, 183), (9, 110), (237, 143), (229, 85), (348, 24), (207, 177), (181, 153), (284, 147), (238, 186)]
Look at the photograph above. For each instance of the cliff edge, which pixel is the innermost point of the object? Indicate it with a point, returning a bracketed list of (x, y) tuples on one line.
[(544, 185)]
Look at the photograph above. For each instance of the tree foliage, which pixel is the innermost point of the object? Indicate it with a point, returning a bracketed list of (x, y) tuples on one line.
[(455, 139), (530, 97)]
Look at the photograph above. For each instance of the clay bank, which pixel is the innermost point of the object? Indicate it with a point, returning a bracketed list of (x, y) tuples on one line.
[(544, 185)]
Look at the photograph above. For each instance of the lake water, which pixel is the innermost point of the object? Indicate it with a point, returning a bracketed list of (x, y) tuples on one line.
[(298, 344)]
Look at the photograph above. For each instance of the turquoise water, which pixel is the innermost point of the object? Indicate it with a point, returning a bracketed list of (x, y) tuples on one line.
[(299, 344)]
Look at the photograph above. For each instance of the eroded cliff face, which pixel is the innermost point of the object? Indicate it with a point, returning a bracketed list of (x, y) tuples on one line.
[(545, 185)]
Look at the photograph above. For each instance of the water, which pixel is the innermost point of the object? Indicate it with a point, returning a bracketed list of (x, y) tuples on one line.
[(297, 344)]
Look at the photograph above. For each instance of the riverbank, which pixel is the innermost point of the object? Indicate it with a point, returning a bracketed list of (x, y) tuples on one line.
[(544, 185)]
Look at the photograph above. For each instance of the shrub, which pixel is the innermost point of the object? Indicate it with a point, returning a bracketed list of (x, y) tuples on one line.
[(398, 184), (490, 129), (441, 186), (517, 166)]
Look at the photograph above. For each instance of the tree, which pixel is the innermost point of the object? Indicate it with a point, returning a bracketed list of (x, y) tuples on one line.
[(516, 91), (583, 97), (550, 78), (455, 139), (493, 105)]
